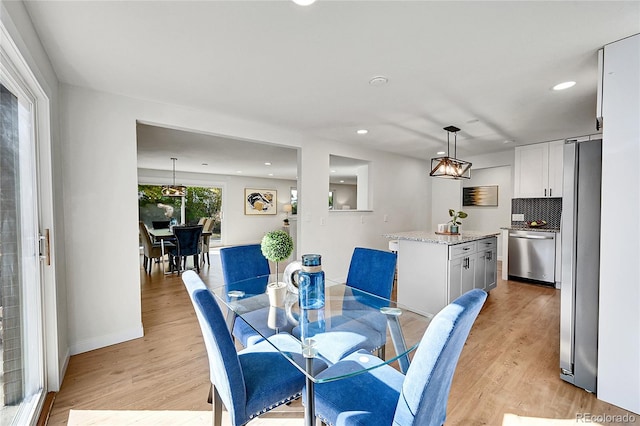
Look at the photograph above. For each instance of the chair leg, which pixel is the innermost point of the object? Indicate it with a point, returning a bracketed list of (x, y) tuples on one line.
[(208, 263), (196, 263), (217, 407)]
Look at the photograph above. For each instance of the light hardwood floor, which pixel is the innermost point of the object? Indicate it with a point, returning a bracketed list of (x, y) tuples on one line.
[(508, 366)]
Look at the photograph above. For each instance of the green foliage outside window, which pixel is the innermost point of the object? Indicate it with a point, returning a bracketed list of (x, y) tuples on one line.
[(199, 202)]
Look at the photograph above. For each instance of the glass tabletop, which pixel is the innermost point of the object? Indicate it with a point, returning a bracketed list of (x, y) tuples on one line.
[(350, 320)]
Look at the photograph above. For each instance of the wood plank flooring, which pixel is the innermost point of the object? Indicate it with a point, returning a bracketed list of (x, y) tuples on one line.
[(508, 366)]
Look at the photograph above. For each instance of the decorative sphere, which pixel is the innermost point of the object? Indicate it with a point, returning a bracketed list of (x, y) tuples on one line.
[(277, 245)]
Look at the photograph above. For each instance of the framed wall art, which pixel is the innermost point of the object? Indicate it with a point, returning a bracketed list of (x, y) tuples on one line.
[(260, 201), (482, 196)]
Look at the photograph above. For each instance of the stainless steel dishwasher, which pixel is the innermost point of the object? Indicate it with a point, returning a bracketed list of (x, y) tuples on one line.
[(532, 256)]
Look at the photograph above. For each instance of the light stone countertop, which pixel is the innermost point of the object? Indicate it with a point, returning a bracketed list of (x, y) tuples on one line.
[(432, 237)]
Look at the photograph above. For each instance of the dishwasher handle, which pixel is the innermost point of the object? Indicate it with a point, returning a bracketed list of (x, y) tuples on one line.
[(532, 237)]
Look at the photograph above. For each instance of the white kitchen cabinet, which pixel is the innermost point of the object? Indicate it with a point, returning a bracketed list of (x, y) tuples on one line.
[(538, 170), (462, 261), (486, 265), (556, 150), (434, 270)]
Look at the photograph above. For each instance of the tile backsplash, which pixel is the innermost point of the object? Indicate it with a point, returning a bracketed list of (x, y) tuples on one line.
[(549, 209)]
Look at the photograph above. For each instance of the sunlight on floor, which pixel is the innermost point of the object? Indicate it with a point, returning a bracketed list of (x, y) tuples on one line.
[(514, 420), (163, 418)]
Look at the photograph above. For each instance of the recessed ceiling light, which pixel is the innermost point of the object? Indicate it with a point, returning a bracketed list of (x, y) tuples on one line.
[(565, 85), (362, 131), (378, 81), (509, 141), (440, 153), (267, 163), (270, 174), (333, 171), (304, 2), (341, 181), (238, 171)]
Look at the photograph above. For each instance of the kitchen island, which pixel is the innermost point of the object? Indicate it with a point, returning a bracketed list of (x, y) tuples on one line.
[(434, 269)]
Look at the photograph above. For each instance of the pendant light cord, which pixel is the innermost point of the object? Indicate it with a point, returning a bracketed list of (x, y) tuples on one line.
[(174, 170)]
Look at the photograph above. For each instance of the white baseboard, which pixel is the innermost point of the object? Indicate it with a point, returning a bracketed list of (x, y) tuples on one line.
[(106, 340)]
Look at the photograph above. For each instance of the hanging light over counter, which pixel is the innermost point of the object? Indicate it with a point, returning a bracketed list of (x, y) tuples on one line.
[(450, 167), (174, 190)]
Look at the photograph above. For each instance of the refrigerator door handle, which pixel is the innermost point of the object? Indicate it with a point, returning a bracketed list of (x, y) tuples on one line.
[(568, 229)]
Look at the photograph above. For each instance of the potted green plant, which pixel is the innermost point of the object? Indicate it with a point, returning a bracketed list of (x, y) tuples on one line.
[(455, 220), (276, 246)]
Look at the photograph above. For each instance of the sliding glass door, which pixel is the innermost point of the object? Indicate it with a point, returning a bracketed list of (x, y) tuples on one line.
[(197, 203), (21, 326)]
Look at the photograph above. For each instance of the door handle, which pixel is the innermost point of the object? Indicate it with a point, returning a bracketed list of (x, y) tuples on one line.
[(46, 253), (531, 237), (550, 192), (545, 192)]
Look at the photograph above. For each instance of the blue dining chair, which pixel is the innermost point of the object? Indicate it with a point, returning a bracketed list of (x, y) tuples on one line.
[(187, 244), (250, 382), (240, 263), (372, 272), (383, 396), (245, 268)]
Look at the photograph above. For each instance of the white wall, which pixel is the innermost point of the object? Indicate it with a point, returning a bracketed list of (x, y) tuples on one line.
[(619, 322), (99, 134), (17, 23), (490, 219), (446, 194)]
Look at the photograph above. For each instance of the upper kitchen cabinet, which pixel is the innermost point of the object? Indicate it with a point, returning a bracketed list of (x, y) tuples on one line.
[(538, 170)]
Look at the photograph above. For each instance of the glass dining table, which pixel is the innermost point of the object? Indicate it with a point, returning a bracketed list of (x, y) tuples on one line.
[(350, 320)]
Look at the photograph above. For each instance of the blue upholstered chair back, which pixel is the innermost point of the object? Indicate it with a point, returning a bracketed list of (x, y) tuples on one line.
[(243, 262), (160, 224), (188, 239), (425, 390), (224, 364), (372, 271)]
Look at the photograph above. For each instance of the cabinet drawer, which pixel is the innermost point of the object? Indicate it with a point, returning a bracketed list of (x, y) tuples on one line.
[(487, 244), (465, 249)]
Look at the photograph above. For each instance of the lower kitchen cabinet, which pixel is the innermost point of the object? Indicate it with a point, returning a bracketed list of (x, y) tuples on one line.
[(472, 265), (432, 275), (486, 276), (462, 265)]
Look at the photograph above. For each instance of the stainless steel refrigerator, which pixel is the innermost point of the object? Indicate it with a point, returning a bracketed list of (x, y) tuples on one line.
[(580, 233)]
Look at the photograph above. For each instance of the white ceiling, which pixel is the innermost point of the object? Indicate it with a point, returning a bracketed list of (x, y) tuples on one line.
[(486, 67)]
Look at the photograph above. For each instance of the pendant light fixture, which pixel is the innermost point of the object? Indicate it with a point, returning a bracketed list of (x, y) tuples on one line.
[(174, 190), (450, 167)]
